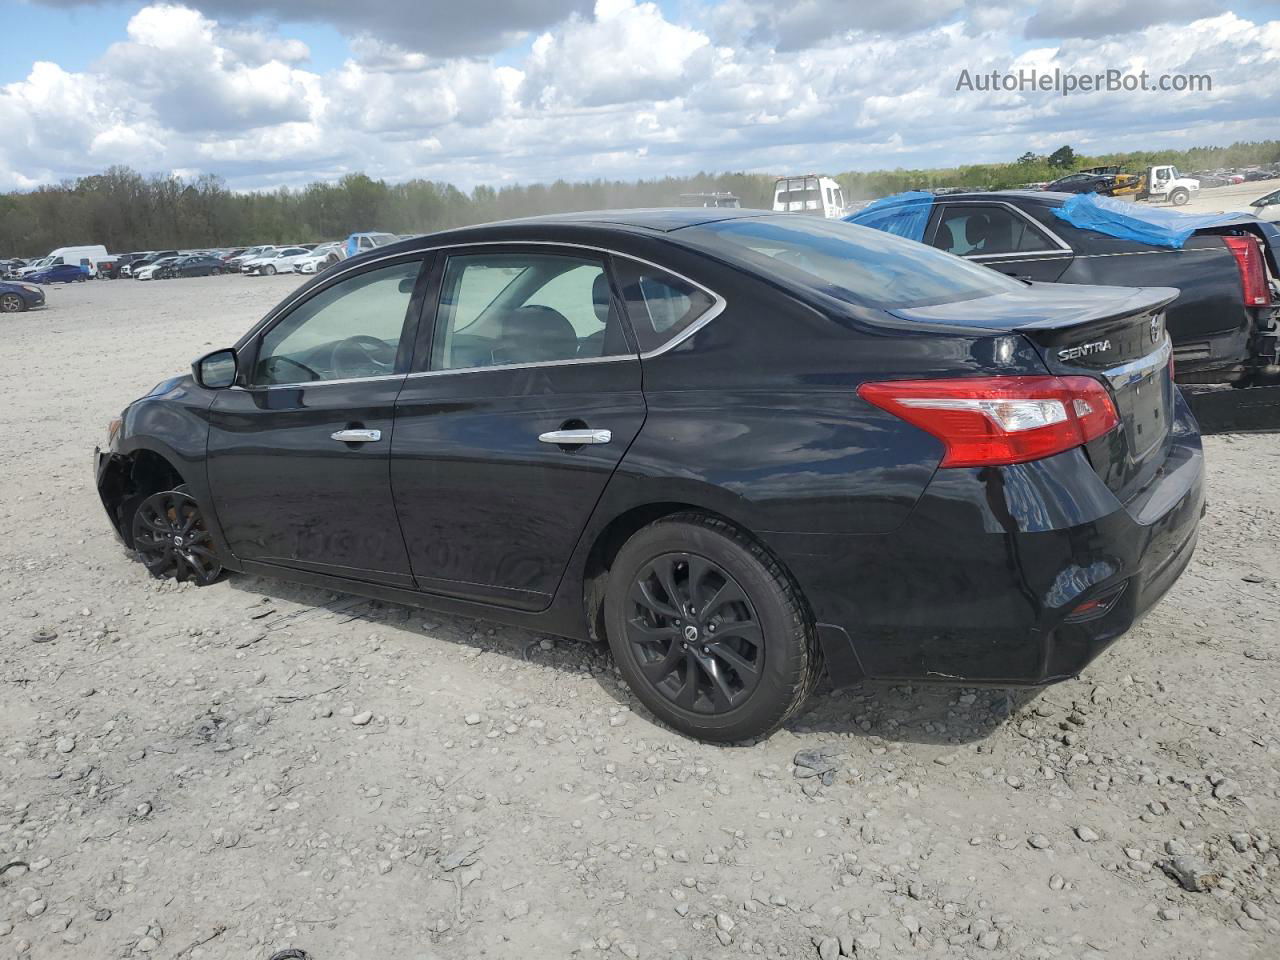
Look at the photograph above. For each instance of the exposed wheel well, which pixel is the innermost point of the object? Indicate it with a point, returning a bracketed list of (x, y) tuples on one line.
[(131, 479), (609, 541)]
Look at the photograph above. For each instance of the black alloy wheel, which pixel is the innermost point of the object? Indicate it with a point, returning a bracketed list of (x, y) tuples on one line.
[(171, 539), (708, 629), (694, 633), (12, 303)]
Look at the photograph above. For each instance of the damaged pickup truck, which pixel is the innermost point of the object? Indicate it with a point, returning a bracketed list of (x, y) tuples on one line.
[(1225, 323)]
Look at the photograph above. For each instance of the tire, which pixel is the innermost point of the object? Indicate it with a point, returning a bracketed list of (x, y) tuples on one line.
[(1179, 196), (755, 631), (172, 540), (268, 271), (12, 303)]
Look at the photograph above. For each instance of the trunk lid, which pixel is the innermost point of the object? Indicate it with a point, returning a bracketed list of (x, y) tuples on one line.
[(1114, 334)]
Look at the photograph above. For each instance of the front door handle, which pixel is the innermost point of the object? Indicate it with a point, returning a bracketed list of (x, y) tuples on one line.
[(576, 438), (357, 436)]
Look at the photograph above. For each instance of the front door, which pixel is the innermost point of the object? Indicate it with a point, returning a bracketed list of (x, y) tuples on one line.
[(1000, 237), (514, 420), (299, 454)]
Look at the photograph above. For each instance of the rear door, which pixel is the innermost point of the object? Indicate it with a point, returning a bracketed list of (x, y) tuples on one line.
[(999, 236), (523, 398)]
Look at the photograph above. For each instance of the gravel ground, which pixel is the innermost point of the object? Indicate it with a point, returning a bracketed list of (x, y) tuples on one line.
[(230, 771)]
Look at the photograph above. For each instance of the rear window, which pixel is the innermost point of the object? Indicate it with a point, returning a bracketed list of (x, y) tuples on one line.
[(851, 263)]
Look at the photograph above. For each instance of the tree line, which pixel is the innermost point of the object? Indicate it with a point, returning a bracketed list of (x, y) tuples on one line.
[(125, 210)]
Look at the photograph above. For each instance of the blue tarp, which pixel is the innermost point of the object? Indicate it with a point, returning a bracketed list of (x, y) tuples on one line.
[(903, 214), (1133, 221)]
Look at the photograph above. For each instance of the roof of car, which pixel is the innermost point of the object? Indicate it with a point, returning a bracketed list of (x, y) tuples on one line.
[(660, 219)]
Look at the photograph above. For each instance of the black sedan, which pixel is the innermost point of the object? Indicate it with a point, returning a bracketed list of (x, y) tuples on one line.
[(196, 265), (17, 297), (740, 447), (1083, 183)]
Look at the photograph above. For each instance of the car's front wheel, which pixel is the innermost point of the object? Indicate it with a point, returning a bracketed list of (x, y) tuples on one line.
[(12, 303), (269, 270), (709, 631), (1179, 197), (172, 539)]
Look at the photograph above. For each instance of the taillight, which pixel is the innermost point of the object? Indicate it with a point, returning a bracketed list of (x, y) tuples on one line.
[(993, 421), (1253, 277)]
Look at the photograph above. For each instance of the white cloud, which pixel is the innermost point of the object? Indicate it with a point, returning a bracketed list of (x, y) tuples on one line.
[(627, 91)]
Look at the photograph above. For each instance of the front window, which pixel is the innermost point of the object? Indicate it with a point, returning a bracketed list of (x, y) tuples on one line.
[(851, 263), (347, 331)]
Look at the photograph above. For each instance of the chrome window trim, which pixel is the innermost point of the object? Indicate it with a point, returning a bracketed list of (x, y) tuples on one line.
[(522, 366), (717, 307), (317, 383), (1063, 246)]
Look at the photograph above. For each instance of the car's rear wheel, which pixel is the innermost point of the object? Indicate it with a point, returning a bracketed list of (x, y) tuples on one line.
[(709, 631), (12, 303), (172, 539)]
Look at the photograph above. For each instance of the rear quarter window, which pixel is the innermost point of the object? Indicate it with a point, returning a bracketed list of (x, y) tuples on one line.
[(661, 306)]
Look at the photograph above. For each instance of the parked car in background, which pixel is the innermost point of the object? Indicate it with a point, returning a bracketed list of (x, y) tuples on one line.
[(325, 255), (1224, 324), (10, 267), (32, 266), (1082, 183), (134, 268), (111, 267), (17, 297), (276, 261), (59, 273), (361, 242), (1267, 206), (155, 270), (926, 480), (251, 253), (195, 265)]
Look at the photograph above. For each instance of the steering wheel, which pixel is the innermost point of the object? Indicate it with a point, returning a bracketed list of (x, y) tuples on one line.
[(272, 362), (357, 356)]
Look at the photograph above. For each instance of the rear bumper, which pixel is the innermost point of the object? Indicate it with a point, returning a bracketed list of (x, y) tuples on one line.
[(980, 585)]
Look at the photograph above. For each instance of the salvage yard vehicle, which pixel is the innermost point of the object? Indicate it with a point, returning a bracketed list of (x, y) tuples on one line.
[(194, 265), (58, 273), (1225, 322), (137, 266), (565, 423), (17, 297), (1267, 207), (323, 256), (274, 261), (156, 269), (811, 194)]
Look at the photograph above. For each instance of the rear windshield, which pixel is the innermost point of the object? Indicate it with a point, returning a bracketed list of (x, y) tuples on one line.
[(851, 263)]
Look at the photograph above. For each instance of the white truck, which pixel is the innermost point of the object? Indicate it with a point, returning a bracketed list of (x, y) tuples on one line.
[(811, 194), (1164, 182)]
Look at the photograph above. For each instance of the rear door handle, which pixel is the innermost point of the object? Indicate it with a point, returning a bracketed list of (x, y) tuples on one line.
[(576, 438), (357, 436)]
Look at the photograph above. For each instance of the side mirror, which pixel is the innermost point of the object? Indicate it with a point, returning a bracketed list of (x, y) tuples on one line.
[(216, 370)]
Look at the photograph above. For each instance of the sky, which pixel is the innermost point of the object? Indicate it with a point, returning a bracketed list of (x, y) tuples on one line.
[(265, 93)]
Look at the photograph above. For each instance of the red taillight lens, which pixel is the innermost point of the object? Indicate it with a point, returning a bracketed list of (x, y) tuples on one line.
[(993, 421), (1253, 276)]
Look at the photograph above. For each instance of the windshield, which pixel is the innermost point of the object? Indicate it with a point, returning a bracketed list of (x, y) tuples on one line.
[(851, 263)]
